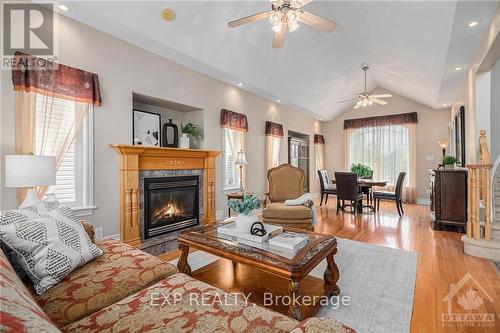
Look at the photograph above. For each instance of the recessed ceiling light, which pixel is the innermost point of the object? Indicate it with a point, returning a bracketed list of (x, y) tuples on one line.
[(64, 8), (472, 24), (458, 68), (240, 84), (278, 101), (445, 104)]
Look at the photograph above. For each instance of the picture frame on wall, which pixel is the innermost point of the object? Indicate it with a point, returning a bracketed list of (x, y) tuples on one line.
[(146, 128), (460, 136)]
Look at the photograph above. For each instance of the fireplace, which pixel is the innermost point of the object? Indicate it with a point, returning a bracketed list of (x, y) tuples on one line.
[(170, 203)]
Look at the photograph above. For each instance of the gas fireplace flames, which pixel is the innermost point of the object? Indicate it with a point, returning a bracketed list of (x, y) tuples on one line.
[(169, 211)]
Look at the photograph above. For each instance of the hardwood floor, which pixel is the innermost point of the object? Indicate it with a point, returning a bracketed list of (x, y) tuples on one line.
[(441, 261)]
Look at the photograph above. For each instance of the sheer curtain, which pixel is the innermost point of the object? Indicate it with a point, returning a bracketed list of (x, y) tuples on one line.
[(274, 134), (388, 149)]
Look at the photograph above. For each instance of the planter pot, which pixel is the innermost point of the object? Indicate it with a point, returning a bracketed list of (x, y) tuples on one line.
[(449, 167), (244, 222), (184, 141)]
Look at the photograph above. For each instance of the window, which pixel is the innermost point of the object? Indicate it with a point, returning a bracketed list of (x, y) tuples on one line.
[(233, 142), (386, 149), (74, 174)]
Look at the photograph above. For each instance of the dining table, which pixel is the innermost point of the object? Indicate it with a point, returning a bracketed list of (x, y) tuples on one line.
[(366, 186)]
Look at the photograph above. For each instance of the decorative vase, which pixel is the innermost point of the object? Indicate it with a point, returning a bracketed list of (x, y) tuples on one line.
[(170, 135), (244, 222), (449, 166), (184, 142)]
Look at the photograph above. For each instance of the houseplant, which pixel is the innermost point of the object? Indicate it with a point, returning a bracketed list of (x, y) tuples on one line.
[(449, 162), (246, 216), (190, 130), (362, 170)]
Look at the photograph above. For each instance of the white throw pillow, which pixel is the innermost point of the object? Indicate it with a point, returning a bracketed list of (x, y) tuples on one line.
[(49, 247)]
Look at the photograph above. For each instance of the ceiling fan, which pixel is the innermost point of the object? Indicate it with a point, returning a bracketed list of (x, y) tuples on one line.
[(365, 99), (284, 16)]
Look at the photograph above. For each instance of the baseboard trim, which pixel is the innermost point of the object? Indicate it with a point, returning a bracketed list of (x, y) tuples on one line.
[(423, 201)]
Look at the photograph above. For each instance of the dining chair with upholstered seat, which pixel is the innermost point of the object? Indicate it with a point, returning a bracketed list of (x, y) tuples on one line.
[(348, 190), (388, 195), (327, 187)]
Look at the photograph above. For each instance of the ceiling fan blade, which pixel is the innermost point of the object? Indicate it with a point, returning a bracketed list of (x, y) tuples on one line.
[(248, 19), (348, 100), (376, 100), (382, 96), (317, 22), (279, 37)]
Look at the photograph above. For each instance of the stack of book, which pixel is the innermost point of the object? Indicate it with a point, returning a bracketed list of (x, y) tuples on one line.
[(288, 240)]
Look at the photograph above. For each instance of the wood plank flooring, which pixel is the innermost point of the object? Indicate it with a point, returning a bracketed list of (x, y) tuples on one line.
[(441, 262)]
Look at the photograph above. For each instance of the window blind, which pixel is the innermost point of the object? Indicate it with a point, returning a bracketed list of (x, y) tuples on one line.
[(54, 115)]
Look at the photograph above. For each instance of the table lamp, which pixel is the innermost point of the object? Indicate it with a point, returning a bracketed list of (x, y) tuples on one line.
[(29, 171), (241, 160), (443, 143)]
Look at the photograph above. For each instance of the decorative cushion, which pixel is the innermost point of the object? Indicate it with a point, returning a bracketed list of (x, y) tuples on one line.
[(48, 248), (121, 271), (51, 206), (278, 210), (18, 310), (146, 312)]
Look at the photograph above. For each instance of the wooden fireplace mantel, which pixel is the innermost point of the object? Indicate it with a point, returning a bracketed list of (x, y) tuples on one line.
[(134, 159)]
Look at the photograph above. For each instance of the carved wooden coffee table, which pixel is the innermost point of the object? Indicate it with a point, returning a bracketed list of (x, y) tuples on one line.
[(266, 270)]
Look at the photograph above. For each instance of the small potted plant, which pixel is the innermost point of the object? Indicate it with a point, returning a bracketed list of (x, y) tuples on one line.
[(362, 170), (190, 130), (449, 162), (246, 216)]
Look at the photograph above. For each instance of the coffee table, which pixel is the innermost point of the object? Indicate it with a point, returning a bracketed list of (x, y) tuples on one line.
[(265, 268)]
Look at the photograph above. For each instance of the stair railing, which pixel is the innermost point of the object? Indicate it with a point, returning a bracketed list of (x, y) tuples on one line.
[(479, 191)]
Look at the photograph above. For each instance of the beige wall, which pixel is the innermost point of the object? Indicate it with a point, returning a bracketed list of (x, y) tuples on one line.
[(123, 69), (432, 126)]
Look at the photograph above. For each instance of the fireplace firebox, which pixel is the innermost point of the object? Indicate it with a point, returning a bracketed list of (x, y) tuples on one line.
[(170, 203)]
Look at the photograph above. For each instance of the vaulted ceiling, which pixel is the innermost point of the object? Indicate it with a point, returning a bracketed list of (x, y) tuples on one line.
[(413, 47)]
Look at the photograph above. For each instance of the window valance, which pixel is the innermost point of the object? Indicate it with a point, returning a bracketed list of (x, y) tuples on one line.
[(395, 119), (319, 139), (33, 74), (274, 129), (233, 120)]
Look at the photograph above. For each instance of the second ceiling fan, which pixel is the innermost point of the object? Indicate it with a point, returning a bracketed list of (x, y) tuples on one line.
[(365, 99), (284, 17)]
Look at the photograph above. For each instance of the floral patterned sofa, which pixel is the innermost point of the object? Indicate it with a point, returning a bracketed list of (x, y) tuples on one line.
[(128, 290)]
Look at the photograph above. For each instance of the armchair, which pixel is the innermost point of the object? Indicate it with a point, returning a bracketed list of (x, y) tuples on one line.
[(287, 182)]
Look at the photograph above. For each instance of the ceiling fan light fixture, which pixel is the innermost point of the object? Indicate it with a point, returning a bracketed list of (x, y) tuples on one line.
[(276, 28), (275, 18)]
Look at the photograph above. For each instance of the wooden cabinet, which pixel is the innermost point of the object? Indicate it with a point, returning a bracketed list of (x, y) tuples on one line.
[(449, 198)]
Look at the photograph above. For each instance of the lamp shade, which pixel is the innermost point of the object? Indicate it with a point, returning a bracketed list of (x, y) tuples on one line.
[(29, 170), (241, 158), (443, 143)]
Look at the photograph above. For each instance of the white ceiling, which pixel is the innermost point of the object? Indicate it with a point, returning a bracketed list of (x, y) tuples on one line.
[(413, 47)]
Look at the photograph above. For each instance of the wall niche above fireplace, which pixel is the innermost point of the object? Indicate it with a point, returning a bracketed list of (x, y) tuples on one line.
[(170, 203)]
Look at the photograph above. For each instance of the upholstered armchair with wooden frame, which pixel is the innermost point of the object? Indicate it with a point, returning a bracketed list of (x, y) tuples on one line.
[(287, 182)]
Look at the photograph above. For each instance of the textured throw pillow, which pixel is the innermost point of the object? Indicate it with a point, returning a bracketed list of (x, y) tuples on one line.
[(51, 206), (49, 248)]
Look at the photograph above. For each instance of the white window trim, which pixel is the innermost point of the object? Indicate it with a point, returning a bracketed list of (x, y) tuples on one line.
[(88, 168)]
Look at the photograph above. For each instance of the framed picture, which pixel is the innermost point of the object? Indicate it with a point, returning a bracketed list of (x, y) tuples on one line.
[(460, 136), (146, 128)]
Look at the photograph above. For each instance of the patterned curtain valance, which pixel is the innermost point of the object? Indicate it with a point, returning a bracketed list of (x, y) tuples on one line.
[(395, 119), (274, 129), (319, 139), (30, 73), (233, 120)]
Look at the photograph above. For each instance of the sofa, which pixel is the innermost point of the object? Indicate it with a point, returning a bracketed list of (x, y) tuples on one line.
[(128, 290)]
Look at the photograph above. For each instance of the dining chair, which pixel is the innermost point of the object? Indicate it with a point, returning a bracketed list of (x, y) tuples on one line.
[(327, 187), (348, 190), (396, 195)]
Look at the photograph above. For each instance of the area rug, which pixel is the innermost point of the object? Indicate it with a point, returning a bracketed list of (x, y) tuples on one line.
[(379, 280)]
